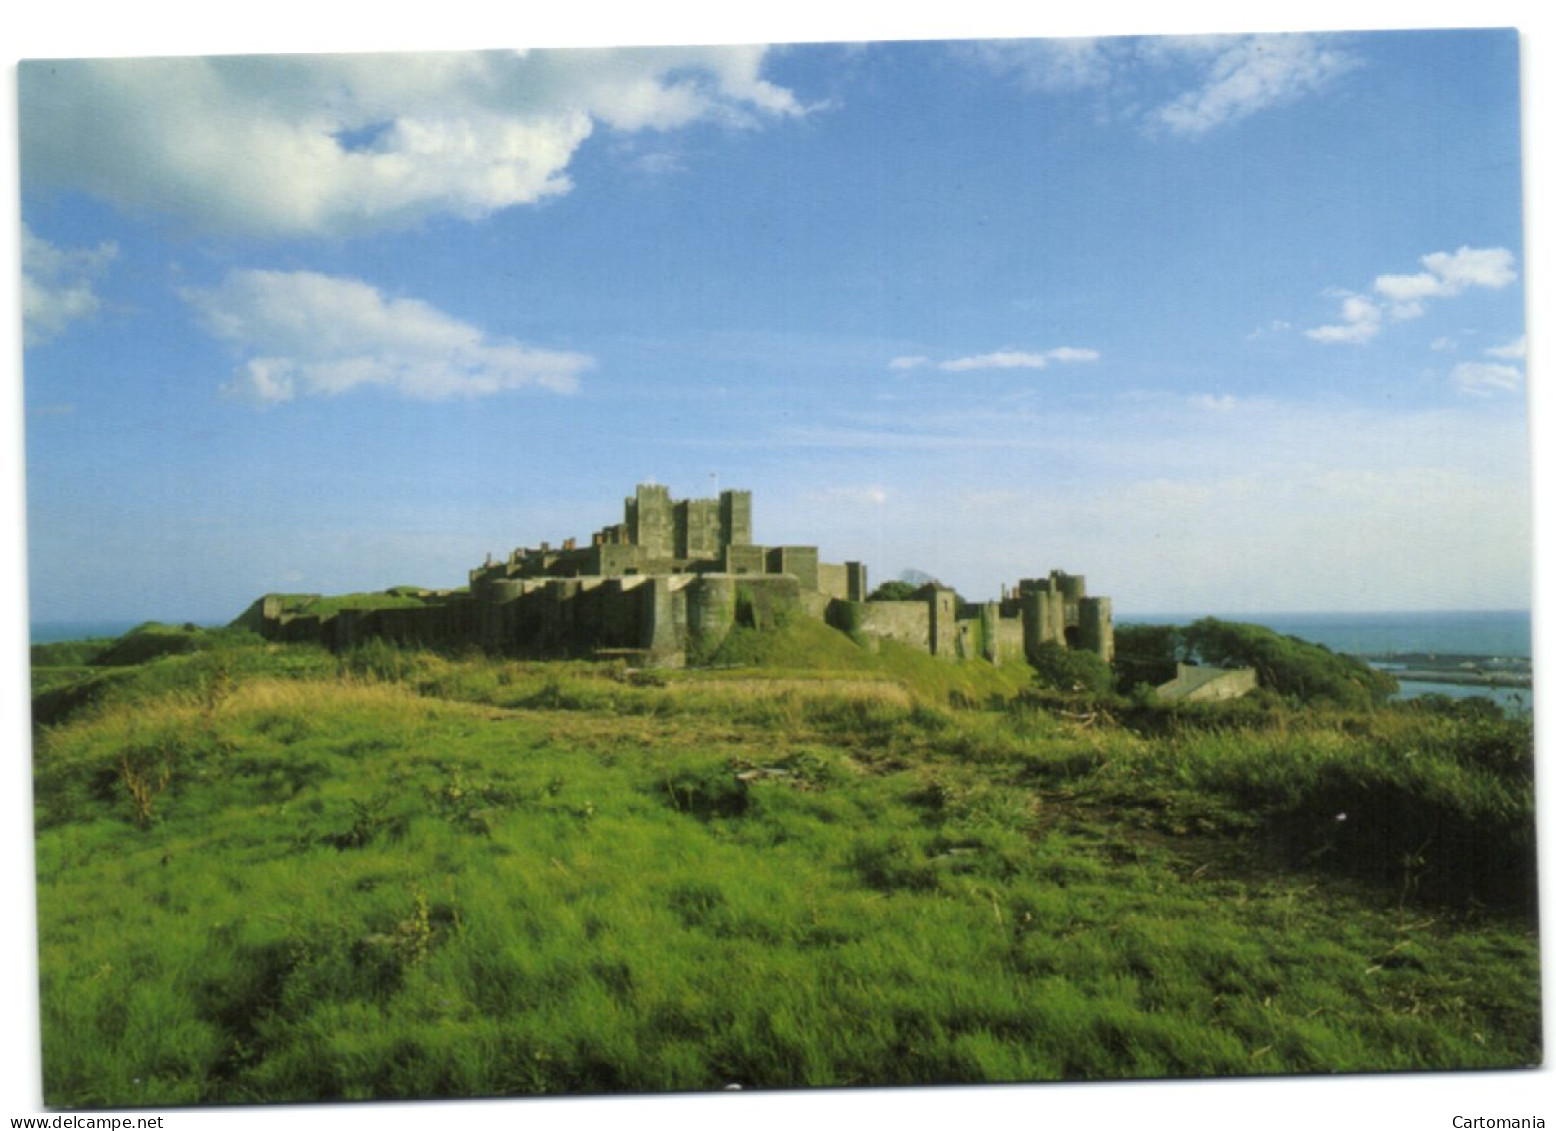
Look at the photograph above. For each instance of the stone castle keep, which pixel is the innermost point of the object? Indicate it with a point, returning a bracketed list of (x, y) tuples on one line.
[(671, 581)]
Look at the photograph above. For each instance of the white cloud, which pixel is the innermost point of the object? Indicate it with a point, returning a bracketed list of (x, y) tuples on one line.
[(999, 359), (1512, 351), (1404, 296), (1253, 73), (1361, 319), (58, 285), (1447, 274), (1073, 353), (1471, 267), (1052, 65), (1487, 378), (310, 334), (1484, 378), (1409, 289), (1275, 326), (1198, 83), (282, 146)]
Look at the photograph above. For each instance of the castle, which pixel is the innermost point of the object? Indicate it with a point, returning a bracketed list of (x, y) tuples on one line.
[(668, 584)]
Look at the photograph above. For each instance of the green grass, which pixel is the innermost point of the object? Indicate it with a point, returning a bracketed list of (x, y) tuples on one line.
[(313, 604), (400, 874)]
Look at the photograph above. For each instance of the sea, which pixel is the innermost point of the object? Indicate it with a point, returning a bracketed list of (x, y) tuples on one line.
[(53, 631)]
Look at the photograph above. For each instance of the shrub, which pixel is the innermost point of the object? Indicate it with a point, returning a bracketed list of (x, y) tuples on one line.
[(708, 791), (1070, 669), (379, 659), (145, 771), (1146, 655), (1288, 665)]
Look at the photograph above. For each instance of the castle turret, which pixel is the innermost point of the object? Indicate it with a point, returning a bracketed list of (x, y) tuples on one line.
[(1096, 626)]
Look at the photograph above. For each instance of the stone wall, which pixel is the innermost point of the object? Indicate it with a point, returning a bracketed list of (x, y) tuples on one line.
[(1011, 640), (906, 622), (1204, 684), (799, 562), (832, 581)]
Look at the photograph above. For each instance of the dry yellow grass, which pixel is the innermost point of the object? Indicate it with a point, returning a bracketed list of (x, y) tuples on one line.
[(756, 687)]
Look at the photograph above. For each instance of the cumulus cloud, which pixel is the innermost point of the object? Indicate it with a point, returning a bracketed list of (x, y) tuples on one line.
[(58, 285), (1446, 274), (1403, 297), (999, 359), (284, 146), (1361, 318), (306, 334), (1181, 85)]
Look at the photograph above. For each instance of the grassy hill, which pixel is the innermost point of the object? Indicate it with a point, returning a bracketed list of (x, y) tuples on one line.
[(267, 873)]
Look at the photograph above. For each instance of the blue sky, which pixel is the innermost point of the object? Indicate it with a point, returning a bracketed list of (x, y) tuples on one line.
[(1226, 323)]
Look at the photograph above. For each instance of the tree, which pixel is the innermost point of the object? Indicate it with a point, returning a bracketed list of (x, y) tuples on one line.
[(1070, 669), (1288, 665), (1147, 654)]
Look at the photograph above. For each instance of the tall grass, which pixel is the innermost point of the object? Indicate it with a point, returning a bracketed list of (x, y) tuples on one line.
[(410, 875)]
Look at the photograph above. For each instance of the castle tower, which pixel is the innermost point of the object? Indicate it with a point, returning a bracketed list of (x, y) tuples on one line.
[(989, 626), (735, 518), (1096, 626), (698, 528), (942, 621), (858, 581), (651, 521)]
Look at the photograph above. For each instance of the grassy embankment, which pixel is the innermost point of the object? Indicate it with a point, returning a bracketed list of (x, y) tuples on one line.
[(266, 873)]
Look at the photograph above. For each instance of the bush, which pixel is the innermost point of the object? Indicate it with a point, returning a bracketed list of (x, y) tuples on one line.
[(378, 659), (1288, 665), (1070, 669), (897, 591), (1146, 655)]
